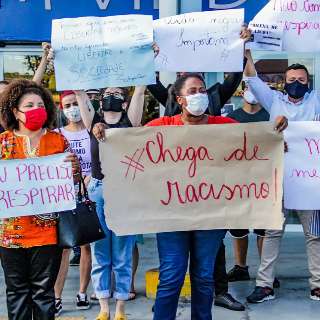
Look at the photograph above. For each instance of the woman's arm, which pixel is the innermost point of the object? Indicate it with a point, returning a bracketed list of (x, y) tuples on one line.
[(39, 74), (86, 108), (135, 110)]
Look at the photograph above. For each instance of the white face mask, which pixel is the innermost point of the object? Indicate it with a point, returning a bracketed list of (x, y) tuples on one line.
[(72, 114), (250, 97), (197, 104)]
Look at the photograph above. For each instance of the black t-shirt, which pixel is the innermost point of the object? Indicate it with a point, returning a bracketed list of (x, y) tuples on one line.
[(244, 117), (96, 171)]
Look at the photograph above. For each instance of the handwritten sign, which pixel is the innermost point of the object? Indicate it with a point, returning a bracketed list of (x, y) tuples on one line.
[(302, 166), (36, 186), (193, 178), (93, 52), (301, 23), (200, 42), (266, 36)]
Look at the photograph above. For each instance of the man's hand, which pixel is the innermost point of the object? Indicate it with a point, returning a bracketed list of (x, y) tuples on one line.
[(156, 49), (245, 33), (99, 131), (281, 123)]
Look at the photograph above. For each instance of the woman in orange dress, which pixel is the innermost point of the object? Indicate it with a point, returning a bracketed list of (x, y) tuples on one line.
[(29, 253)]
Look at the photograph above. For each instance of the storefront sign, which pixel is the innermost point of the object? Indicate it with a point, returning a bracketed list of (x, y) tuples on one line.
[(30, 20), (165, 179), (251, 6)]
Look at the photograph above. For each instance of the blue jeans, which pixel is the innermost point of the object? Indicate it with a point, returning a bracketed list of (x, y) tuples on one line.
[(110, 254), (174, 249)]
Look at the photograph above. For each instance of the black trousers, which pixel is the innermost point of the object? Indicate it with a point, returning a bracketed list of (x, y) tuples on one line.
[(220, 272), (30, 275)]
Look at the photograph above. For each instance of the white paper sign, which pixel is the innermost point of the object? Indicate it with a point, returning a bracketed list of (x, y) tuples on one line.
[(200, 42), (302, 166), (93, 52), (301, 23), (266, 36), (36, 186)]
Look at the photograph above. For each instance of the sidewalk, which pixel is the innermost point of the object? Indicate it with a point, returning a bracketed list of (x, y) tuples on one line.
[(292, 301)]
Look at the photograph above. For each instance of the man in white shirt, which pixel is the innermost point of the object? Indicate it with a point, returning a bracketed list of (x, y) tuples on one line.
[(299, 103)]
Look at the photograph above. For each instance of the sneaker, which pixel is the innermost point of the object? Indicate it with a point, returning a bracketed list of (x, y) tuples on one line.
[(82, 303), (276, 283), (261, 294), (315, 294), (94, 299), (75, 261), (58, 306), (238, 273), (227, 301)]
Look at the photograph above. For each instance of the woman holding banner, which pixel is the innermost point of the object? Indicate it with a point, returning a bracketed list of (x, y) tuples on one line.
[(29, 253), (112, 254)]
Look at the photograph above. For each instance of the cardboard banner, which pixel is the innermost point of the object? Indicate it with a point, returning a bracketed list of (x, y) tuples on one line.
[(200, 42), (193, 178), (93, 52), (302, 166), (36, 186), (301, 23)]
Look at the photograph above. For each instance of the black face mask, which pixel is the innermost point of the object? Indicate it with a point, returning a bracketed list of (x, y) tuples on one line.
[(296, 90), (111, 103), (96, 104)]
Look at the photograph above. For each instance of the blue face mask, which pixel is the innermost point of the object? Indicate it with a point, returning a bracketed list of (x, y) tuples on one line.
[(296, 90)]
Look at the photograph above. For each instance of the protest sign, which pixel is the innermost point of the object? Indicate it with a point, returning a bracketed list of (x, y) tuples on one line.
[(36, 186), (302, 169), (183, 178), (301, 23), (266, 36), (200, 42), (93, 52)]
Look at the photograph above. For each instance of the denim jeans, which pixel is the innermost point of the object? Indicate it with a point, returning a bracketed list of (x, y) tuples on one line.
[(174, 249), (112, 254)]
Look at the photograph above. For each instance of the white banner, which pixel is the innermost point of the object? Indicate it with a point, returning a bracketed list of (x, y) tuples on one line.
[(200, 42), (36, 186), (301, 23), (302, 166), (94, 52)]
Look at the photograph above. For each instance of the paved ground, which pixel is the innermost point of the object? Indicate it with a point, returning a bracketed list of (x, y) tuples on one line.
[(292, 301)]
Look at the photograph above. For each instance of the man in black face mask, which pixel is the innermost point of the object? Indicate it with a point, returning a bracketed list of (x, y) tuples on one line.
[(299, 103)]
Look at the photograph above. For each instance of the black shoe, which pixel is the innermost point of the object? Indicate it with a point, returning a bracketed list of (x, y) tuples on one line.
[(82, 304), (238, 273), (276, 283), (75, 261), (58, 306), (227, 301), (261, 294), (315, 294)]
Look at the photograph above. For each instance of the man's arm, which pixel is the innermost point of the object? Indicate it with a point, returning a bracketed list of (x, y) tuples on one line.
[(261, 90), (39, 74), (135, 110), (159, 91)]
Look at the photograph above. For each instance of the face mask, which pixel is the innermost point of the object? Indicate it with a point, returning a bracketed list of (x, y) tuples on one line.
[(197, 104), (96, 104), (35, 119), (296, 90), (249, 97), (72, 114), (111, 103)]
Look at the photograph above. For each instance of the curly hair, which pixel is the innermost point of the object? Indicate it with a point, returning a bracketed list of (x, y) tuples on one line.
[(11, 97)]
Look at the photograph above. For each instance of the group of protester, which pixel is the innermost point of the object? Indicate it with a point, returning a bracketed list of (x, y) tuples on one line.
[(35, 268)]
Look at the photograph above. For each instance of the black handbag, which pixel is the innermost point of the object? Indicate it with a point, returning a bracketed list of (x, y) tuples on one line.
[(80, 226)]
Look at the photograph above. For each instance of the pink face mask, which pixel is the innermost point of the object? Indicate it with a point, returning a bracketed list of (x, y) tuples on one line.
[(35, 119)]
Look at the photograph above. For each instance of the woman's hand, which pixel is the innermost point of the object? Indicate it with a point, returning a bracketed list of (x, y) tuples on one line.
[(75, 166), (99, 131), (281, 123), (156, 49), (50, 56)]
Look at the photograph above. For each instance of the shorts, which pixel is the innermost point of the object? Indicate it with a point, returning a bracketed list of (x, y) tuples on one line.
[(242, 233)]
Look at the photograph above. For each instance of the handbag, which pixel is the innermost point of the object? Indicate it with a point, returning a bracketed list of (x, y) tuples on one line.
[(80, 226)]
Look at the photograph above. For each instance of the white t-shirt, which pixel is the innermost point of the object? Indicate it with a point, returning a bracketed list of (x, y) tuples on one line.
[(80, 144)]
